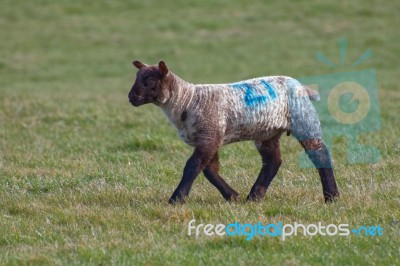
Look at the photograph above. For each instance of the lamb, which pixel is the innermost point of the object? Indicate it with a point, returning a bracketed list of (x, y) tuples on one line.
[(209, 116)]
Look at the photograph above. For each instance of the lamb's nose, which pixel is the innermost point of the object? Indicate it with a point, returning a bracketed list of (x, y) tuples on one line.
[(130, 96)]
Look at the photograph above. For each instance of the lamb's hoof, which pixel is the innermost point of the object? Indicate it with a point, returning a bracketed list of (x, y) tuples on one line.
[(257, 193), (174, 201), (254, 197), (331, 198), (234, 197)]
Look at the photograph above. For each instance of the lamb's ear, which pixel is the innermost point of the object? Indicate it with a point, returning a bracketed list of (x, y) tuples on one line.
[(163, 68), (139, 64)]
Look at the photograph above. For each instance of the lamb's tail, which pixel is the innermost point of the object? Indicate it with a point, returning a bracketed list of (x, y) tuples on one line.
[(312, 94), (299, 90)]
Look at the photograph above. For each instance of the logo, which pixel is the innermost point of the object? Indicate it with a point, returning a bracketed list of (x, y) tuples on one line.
[(348, 106), (281, 230)]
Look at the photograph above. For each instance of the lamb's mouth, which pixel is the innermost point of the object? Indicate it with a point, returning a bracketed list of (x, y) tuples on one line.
[(135, 101), (138, 101)]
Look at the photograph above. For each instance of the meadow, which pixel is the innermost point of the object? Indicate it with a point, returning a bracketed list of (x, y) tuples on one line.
[(85, 177)]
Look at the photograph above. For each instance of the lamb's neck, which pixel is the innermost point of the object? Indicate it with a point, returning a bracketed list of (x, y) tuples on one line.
[(181, 95)]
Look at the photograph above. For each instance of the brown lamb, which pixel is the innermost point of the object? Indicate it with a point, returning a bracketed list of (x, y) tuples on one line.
[(209, 116)]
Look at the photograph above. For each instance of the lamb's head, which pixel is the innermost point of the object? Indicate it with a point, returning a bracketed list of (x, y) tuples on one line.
[(152, 84)]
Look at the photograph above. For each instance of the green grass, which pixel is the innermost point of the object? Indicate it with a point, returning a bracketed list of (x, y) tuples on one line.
[(85, 178)]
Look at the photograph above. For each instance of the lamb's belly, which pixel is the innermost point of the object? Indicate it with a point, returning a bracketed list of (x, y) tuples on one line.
[(258, 129), (258, 133)]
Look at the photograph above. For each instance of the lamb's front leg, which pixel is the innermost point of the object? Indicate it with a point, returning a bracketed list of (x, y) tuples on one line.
[(196, 163)]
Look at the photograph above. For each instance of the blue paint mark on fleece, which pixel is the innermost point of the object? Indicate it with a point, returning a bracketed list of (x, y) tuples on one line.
[(269, 89), (251, 98)]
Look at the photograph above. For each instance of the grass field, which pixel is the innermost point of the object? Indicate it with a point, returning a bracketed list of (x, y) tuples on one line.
[(85, 178)]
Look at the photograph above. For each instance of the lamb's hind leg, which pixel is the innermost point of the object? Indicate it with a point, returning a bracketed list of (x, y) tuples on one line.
[(319, 155), (271, 159), (211, 173)]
